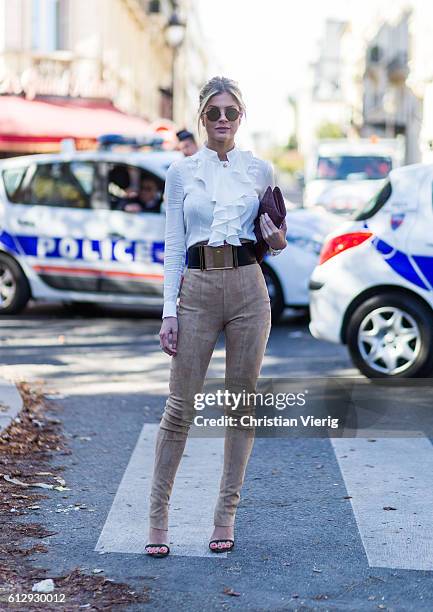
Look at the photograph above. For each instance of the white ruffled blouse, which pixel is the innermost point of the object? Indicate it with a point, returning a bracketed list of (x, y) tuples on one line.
[(207, 199)]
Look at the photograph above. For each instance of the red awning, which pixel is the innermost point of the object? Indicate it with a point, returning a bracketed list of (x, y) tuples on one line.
[(35, 126)]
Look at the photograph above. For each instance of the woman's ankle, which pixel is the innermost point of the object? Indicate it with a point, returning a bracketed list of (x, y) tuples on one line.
[(225, 530), (158, 536), (161, 529)]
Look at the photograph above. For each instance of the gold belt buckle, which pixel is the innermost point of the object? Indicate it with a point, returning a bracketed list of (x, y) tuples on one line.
[(218, 258)]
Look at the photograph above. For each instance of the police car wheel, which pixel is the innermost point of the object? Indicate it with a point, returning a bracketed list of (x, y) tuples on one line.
[(391, 336), (14, 288), (275, 292)]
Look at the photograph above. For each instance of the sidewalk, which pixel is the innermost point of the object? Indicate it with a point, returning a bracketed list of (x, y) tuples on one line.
[(10, 403)]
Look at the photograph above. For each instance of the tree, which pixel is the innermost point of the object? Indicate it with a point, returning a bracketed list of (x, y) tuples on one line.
[(292, 143), (330, 130)]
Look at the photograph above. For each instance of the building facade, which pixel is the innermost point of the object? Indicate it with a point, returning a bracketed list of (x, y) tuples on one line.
[(322, 102), (420, 77), (390, 107), (110, 49), (191, 69), (395, 74), (374, 76)]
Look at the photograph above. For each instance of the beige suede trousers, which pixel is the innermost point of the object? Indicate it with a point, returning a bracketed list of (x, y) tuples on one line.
[(235, 300)]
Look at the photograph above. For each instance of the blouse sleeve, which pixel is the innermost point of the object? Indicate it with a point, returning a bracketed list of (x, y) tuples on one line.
[(174, 250), (267, 176), (270, 175)]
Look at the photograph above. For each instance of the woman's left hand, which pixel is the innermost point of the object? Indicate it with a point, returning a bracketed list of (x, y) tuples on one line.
[(276, 238)]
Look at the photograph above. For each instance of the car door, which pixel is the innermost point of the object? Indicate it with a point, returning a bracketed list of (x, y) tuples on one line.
[(53, 224), (390, 216), (420, 238), (401, 223), (137, 238)]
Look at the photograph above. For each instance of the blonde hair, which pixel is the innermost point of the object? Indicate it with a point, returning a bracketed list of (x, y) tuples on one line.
[(215, 86)]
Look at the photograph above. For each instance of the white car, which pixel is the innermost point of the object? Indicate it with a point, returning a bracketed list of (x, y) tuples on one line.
[(342, 175), (287, 275), (373, 286), (65, 236)]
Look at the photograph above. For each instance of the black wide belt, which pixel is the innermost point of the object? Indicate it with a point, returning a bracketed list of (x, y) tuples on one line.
[(224, 257)]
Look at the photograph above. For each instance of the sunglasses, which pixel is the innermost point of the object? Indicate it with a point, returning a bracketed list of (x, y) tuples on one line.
[(231, 113)]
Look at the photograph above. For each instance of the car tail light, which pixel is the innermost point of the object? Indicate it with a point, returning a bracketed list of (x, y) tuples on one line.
[(337, 245)]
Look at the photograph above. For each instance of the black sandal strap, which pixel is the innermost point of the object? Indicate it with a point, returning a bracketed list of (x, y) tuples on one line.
[(222, 540)]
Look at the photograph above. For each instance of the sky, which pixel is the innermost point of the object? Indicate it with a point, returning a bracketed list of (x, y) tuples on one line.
[(266, 45)]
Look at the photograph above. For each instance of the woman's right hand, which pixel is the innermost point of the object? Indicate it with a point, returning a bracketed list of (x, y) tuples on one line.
[(168, 335)]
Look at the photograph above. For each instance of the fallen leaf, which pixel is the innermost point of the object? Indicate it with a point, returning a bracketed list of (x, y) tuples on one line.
[(44, 586), (41, 485), (231, 592)]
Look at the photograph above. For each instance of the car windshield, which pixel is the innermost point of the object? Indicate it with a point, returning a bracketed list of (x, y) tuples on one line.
[(347, 167)]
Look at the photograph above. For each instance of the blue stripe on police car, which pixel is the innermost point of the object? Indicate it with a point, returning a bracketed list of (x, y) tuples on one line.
[(82, 249)]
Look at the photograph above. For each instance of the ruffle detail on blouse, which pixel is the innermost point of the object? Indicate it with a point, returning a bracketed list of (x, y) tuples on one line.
[(227, 187)]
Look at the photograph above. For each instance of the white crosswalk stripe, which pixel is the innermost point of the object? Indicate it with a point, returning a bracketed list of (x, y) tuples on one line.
[(388, 473), (391, 473), (193, 499)]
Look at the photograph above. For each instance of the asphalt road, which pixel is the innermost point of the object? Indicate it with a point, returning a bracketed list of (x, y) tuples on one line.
[(312, 532)]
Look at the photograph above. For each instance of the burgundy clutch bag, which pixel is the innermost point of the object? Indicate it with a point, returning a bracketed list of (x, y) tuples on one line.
[(273, 204)]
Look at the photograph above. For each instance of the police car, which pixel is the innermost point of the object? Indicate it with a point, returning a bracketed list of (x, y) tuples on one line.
[(73, 227), (72, 230), (373, 286)]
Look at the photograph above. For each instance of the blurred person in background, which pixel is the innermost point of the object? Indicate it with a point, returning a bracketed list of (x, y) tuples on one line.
[(187, 144), (120, 191), (149, 195), (124, 197)]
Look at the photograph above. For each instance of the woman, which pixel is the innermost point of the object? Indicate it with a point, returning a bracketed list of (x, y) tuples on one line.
[(212, 199)]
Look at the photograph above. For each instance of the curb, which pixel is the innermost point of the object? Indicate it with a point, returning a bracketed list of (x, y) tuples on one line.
[(10, 403)]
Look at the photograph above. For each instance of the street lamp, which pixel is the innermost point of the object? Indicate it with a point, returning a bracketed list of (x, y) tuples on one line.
[(174, 35), (174, 30)]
